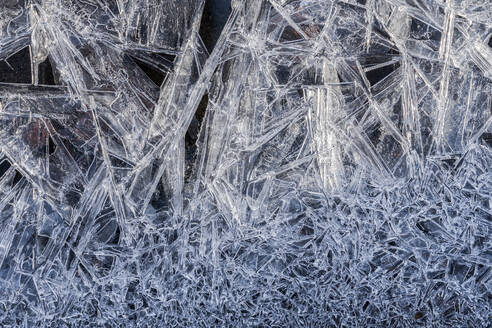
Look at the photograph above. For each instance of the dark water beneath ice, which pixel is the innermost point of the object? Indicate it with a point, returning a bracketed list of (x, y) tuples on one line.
[(214, 18)]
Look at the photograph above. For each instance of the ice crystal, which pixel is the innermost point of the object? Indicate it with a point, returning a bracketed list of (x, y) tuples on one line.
[(321, 163)]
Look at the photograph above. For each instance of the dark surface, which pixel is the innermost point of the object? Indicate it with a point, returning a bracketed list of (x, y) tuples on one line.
[(156, 75), (17, 68), (46, 74), (215, 15)]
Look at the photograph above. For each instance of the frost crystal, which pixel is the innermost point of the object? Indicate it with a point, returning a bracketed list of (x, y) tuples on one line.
[(324, 163)]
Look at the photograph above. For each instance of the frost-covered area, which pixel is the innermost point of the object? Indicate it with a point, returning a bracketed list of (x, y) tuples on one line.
[(328, 164)]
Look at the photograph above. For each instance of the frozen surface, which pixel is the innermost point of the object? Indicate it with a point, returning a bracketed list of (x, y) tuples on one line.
[(327, 164)]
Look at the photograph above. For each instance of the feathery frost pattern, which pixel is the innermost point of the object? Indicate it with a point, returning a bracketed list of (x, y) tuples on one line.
[(327, 163)]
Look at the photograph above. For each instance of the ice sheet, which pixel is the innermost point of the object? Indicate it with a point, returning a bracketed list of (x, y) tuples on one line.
[(326, 164)]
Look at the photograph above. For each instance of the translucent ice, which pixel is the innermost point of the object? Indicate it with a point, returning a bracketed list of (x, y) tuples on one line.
[(327, 163)]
